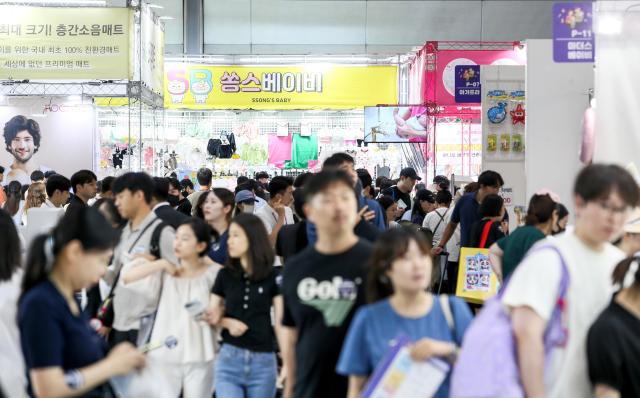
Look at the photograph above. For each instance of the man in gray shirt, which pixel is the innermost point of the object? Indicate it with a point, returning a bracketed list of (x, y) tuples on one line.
[(133, 192)]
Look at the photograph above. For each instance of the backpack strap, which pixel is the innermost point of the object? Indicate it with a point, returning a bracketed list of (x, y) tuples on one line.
[(448, 314), (154, 245), (485, 234)]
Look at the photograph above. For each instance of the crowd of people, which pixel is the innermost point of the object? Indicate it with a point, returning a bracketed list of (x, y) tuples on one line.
[(155, 286)]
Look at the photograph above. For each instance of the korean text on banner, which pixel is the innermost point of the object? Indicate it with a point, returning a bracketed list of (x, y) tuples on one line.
[(573, 38), (279, 87), (64, 43), (152, 52)]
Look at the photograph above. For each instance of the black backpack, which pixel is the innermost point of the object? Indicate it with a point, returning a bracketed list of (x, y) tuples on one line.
[(213, 147)]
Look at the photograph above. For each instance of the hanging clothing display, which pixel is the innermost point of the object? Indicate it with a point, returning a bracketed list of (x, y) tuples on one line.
[(303, 150), (228, 147), (279, 150)]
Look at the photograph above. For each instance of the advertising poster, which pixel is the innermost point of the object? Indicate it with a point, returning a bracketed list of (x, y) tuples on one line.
[(468, 84), (476, 279), (64, 43), (573, 38), (279, 87), (152, 51), (45, 136), (409, 123)]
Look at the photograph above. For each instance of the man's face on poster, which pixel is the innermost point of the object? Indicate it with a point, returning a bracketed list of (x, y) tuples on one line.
[(22, 146)]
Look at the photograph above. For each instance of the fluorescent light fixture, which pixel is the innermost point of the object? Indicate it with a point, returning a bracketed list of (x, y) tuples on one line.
[(38, 115), (609, 24), (165, 18), (57, 2), (74, 98), (155, 6)]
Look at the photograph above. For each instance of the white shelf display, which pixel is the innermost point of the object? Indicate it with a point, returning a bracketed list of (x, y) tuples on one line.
[(179, 141)]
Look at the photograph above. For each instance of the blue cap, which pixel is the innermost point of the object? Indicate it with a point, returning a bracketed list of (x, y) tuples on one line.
[(245, 196)]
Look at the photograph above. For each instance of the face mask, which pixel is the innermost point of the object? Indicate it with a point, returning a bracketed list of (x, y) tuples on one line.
[(173, 200), (248, 209)]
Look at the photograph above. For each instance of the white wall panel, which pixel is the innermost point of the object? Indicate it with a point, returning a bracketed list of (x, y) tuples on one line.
[(227, 22), (414, 22)]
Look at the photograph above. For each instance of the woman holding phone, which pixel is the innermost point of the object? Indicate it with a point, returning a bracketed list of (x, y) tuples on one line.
[(182, 295), (63, 354)]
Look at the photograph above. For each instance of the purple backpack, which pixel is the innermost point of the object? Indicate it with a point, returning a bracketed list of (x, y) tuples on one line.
[(487, 366)]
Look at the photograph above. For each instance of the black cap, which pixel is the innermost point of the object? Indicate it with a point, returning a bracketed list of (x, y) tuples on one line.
[(411, 173), (426, 195)]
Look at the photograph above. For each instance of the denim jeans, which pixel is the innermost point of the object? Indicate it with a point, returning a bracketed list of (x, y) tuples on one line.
[(243, 373)]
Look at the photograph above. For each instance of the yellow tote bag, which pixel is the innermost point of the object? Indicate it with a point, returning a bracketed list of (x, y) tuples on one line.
[(476, 280)]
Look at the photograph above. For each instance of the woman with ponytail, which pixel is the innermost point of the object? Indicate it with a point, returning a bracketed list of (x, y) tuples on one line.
[(507, 252), (64, 356), (613, 342)]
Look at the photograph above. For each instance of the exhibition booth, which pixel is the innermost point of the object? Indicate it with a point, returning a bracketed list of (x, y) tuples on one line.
[(97, 83)]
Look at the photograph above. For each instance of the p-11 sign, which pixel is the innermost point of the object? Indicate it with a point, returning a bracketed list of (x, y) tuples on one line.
[(573, 38), (468, 84)]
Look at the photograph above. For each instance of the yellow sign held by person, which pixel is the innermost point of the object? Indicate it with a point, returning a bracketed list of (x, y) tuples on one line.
[(190, 86), (476, 280), (64, 43)]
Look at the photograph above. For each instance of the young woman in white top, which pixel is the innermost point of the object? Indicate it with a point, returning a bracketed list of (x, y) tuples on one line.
[(188, 367)]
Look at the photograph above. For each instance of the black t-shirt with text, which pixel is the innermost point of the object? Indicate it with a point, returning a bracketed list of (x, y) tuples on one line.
[(613, 351), (249, 302), (321, 293)]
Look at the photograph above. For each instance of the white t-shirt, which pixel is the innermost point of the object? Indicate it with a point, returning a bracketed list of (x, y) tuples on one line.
[(535, 284), (432, 220), (269, 216)]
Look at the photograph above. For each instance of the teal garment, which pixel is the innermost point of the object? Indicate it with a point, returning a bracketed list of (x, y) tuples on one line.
[(303, 150), (516, 245)]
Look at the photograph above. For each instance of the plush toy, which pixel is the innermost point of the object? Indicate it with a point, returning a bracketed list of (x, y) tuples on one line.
[(517, 115), (497, 113)]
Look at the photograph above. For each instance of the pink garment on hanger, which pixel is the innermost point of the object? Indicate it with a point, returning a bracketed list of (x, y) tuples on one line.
[(279, 150)]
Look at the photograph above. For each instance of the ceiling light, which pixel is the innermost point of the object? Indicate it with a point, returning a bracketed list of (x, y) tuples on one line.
[(155, 6), (609, 25), (166, 18)]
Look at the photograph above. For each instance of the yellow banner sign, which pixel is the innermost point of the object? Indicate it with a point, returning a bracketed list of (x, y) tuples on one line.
[(279, 87), (64, 43)]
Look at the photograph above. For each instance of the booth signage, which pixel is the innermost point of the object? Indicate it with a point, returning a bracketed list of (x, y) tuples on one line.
[(278, 87), (152, 68), (64, 43), (468, 84), (573, 38)]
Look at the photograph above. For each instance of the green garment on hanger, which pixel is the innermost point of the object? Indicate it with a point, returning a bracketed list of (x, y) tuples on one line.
[(254, 154), (303, 150)]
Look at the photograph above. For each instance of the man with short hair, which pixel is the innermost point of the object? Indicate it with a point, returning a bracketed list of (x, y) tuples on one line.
[(22, 140), (134, 193), (84, 185), (186, 185), (161, 205), (57, 191), (322, 288), (401, 192), (205, 177), (37, 176), (277, 212), (367, 183), (466, 211), (105, 192), (263, 179), (176, 189), (370, 209)]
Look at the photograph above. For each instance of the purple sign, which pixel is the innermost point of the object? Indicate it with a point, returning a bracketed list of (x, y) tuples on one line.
[(468, 84), (573, 38)]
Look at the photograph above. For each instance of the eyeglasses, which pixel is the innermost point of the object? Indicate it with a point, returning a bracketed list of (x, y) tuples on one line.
[(613, 209)]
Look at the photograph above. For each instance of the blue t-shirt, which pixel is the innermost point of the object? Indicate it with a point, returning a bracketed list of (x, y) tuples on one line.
[(377, 325), (466, 213), (51, 336), (218, 251)]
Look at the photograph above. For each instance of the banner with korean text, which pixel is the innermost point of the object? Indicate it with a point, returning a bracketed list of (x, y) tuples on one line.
[(64, 43), (279, 87)]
